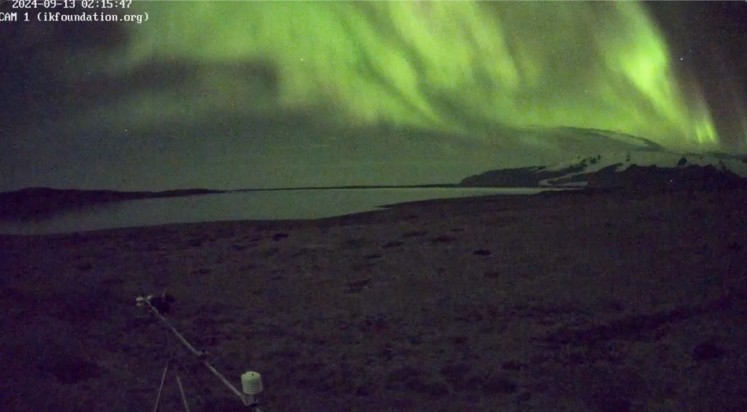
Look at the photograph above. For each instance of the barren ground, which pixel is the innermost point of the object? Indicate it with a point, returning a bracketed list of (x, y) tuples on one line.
[(565, 302)]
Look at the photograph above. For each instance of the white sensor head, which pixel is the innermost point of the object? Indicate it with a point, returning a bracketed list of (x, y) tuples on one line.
[(251, 383)]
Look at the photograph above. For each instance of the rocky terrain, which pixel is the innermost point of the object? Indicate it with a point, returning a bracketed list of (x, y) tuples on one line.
[(587, 301), (643, 169)]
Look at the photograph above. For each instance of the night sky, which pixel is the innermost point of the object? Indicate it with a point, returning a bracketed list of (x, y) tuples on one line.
[(230, 95)]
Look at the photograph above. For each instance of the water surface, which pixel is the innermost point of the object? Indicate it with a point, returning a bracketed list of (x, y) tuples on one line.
[(251, 205)]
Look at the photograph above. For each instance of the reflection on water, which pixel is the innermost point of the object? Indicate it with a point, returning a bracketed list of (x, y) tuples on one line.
[(256, 205)]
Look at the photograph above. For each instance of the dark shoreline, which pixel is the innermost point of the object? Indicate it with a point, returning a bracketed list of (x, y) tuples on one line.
[(409, 210), (67, 200)]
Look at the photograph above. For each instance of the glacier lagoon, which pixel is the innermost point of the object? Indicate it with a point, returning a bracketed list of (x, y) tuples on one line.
[(291, 204)]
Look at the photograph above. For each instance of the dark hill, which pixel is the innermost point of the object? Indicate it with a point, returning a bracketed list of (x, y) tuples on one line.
[(38, 202)]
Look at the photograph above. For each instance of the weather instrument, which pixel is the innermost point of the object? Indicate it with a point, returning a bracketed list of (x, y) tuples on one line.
[(251, 382)]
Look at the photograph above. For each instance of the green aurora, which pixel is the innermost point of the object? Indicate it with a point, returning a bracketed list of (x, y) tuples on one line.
[(469, 68)]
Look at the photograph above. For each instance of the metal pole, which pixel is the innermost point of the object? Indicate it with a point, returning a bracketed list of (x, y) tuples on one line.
[(181, 390), (200, 354), (173, 329), (223, 379), (160, 388)]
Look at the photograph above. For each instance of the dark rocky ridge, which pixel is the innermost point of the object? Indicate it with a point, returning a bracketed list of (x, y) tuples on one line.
[(622, 173), (690, 177), (38, 202)]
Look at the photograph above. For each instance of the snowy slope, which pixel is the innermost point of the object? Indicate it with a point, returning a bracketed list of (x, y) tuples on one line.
[(622, 161), (629, 168)]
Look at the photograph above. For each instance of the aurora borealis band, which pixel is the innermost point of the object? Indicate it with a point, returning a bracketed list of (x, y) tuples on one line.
[(465, 67), (233, 94)]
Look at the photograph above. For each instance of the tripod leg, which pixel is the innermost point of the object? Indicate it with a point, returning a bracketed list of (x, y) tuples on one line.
[(160, 388), (181, 390)]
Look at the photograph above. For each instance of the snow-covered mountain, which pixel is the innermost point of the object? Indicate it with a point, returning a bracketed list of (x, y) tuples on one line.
[(631, 169)]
